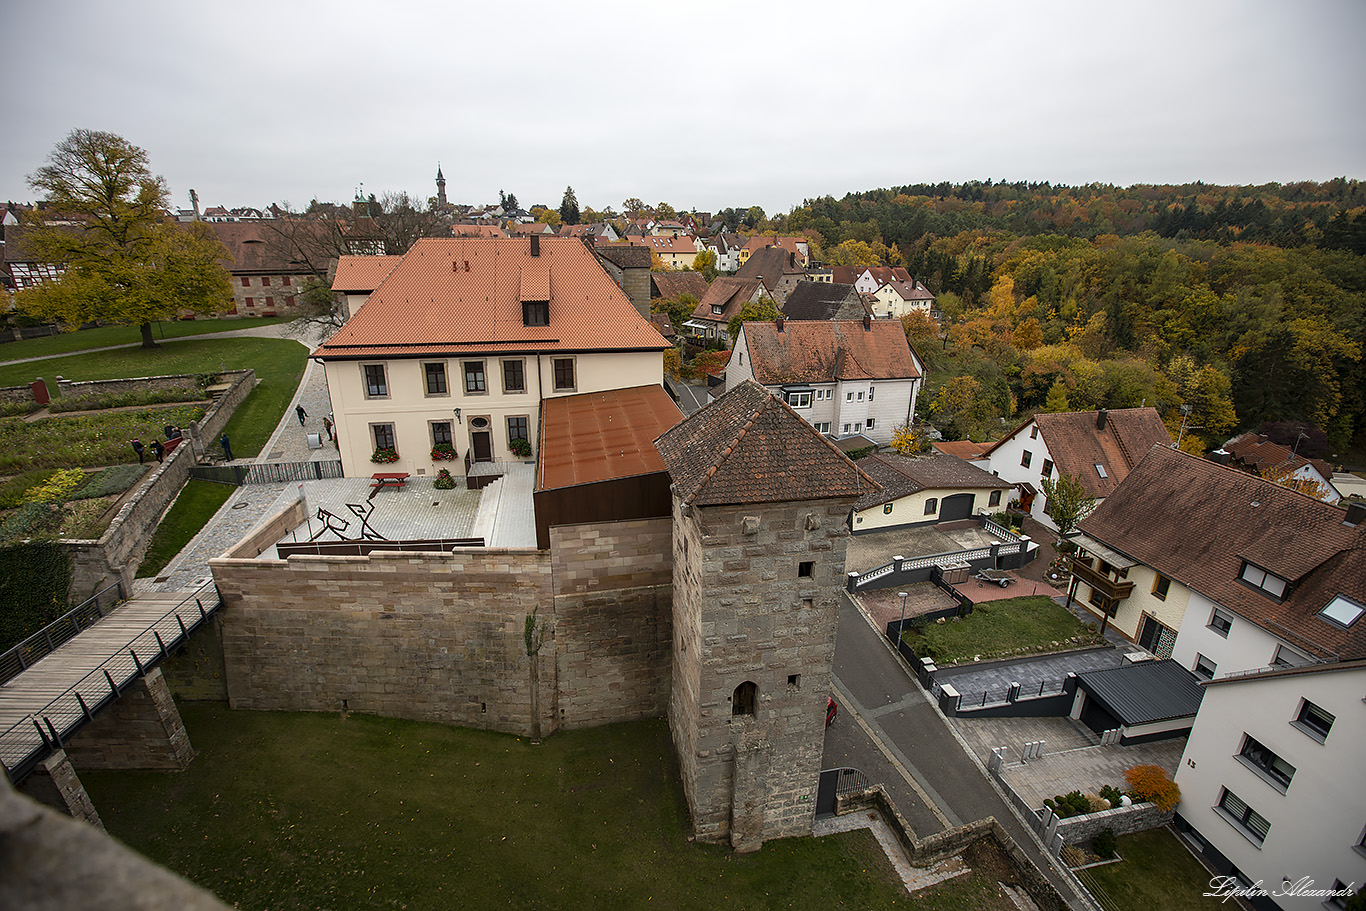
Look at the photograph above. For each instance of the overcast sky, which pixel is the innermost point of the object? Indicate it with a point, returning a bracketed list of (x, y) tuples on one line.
[(699, 104)]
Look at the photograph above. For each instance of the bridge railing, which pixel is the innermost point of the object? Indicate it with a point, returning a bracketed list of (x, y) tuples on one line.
[(48, 639), (25, 743)]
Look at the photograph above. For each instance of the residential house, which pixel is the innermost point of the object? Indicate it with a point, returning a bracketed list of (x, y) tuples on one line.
[(966, 450), (724, 299), (676, 251), (535, 227), (795, 245), (669, 229), (844, 376), (824, 300), (897, 298), (1255, 453), (463, 341), (868, 279), (1260, 591), (1096, 447), (675, 284), (270, 260), (462, 230), (727, 248), (597, 233), (924, 490), (780, 270), (358, 276)]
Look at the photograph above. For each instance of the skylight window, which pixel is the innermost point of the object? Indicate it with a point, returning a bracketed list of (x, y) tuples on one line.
[(1343, 611), (1100, 470)]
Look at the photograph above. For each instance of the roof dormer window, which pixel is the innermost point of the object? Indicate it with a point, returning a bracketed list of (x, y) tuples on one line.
[(535, 313), (1268, 582), (1342, 611)]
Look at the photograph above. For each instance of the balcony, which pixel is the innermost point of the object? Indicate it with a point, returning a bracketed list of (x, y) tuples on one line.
[(1112, 591)]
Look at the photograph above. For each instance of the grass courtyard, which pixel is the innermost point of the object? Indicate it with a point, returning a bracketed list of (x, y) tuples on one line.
[(1001, 629), (1157, 872), (313, 811)]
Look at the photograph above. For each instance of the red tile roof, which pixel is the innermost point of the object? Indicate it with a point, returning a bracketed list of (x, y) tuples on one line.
[(601, 436), (963, 449), (1077, 445), (729, 293), (1258, 453), (681, 244), (356, 274), (1197, 522), (751, 447), (672, 284), (815, 351), (461, 295)]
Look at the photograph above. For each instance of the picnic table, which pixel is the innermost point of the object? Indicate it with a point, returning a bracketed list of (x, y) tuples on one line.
[(389, 479), (995, 576)]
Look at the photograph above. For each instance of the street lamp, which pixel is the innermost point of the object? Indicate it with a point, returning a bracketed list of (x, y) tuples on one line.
[(1303, 436), (902, 622)]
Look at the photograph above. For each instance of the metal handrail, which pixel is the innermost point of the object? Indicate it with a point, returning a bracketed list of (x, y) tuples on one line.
[(64, 715), (51, 637)]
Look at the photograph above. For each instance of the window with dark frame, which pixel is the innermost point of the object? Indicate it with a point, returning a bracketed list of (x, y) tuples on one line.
[(1268, 582), (287, 281), (1252, 823), (518, 429), (931, 506), (1257, 754), (536, 313), (436, 379), (246, 281), (375, 384), (441, 432), (1314, 721), (1161, 585), (1220, 622), (564, 372), (384, 436), (995, 498), (514, 376), (265, 281), (474, 377), (1047, 468), (1204, 668), (1026, 459)]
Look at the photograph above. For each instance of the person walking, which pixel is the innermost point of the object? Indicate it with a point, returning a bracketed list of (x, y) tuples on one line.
[(327, 426), (303, 415), (138, 448), (158, 450), (227, 447)]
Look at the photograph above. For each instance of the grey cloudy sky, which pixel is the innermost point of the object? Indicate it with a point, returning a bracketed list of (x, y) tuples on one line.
[(701, 104)]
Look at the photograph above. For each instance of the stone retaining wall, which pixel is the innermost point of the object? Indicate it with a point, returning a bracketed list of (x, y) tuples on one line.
[(19, 395), (117, 553), (440, 637), (142, 730), (89, 389), (1138, 817)]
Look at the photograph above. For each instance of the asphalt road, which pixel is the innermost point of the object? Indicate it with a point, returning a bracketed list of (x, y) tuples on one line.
[(942, 785)]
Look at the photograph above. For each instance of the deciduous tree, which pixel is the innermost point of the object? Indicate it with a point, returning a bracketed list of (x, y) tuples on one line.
[(705, 262), (123, 260), (762, 310), (1067, 501)]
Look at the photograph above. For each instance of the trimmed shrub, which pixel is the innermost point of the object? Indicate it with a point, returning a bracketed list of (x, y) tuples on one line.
[(1151, 782), (1111, 794), (1105, 843)]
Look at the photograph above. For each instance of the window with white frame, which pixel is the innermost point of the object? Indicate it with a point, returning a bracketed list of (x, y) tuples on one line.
[(870, 423), (1288, 657), (870, 393), (1264, 761), (1247, 820), (860, 395), (823, 426), (799, 399), (1268, 582), (848, 396), (846, 428)]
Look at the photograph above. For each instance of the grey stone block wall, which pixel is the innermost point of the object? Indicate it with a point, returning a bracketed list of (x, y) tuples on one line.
[(85, 389), (142, 730), (744, 613), (1124, 820)]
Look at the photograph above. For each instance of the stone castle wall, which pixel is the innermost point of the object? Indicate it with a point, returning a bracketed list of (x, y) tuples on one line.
[(441, 637), (749, 611)]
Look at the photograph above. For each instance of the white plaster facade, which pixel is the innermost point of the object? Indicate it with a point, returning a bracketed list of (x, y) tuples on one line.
[(1317, 822), (418, 417), (1024, 458), (916, 509), (1214, 637)]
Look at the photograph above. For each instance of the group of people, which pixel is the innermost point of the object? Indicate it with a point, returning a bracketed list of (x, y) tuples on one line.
[(303, 416), (159, 448)]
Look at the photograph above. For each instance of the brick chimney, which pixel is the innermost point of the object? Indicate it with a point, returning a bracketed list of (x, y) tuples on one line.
[(1100, 419), (867, 323), (779, 323)]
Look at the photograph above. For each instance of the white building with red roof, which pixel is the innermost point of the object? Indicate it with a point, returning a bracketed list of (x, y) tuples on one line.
[(455, 350)]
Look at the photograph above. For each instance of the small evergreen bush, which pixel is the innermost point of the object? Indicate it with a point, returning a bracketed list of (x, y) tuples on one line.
[(1105, 843)]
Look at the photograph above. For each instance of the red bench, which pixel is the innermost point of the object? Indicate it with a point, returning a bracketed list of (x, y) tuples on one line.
[(389, 479)]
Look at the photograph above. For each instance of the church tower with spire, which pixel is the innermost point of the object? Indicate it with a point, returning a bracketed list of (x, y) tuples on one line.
[(440, 187)]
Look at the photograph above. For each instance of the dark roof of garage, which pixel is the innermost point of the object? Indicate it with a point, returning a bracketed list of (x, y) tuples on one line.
[(1145, 692)]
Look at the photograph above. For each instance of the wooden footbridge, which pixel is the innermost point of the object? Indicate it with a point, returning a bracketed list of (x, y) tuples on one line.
[(55, 682)]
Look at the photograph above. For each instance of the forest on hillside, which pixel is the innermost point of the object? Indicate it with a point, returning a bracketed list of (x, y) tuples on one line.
[(1247, 304)]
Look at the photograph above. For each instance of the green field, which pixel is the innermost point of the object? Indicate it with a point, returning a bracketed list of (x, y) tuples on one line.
[(997, 629), (1157, 872), (314, 811), (279, 365), (125, 335)]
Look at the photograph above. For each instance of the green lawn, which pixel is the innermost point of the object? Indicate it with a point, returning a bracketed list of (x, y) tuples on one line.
[(1001, 629), (313, 811), (279, 365), (1157, 872), (195, 506), (125, 335)]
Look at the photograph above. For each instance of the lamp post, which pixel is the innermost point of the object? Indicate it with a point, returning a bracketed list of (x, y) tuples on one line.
[(1294, 452), (902, 622)]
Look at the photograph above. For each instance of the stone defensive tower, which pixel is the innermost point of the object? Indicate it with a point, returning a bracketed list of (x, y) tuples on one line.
[(759, 536), (440, 188)]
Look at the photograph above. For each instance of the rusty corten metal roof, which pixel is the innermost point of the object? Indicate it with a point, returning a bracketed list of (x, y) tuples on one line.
[(601, 436), (460, 296)]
